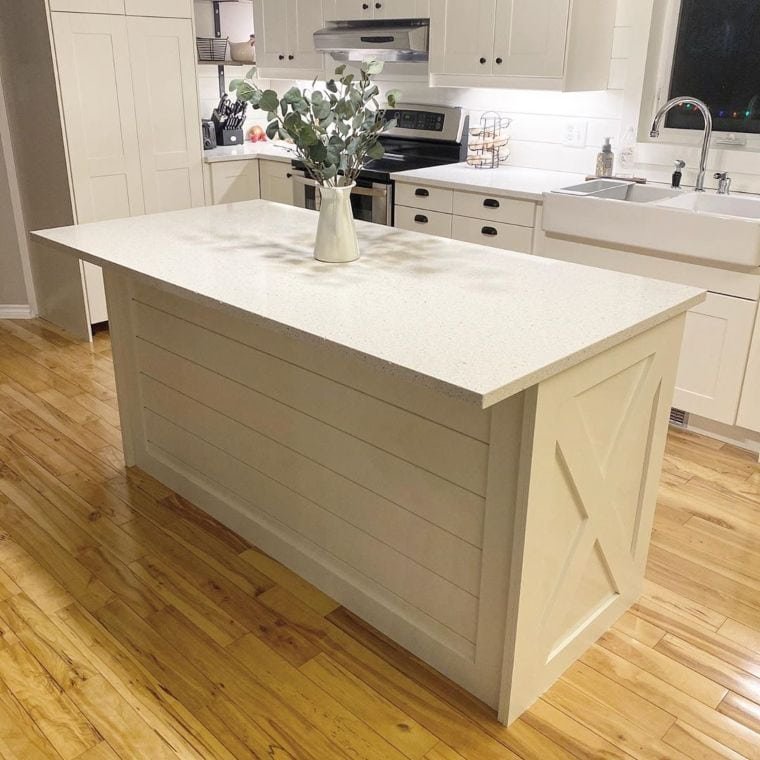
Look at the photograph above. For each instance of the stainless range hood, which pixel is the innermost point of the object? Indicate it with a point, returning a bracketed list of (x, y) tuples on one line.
[(398, 41)]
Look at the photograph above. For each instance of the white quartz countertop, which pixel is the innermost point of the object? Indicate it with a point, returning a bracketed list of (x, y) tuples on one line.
[(276, 151), (468, 320), (513, 181)]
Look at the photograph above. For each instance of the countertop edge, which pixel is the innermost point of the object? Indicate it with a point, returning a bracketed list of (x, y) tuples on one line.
[(481, 397)]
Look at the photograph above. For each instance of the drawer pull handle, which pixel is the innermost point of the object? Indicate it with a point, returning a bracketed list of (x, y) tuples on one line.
[(491, 203), (490, 231), (421, 219), (421, 192)]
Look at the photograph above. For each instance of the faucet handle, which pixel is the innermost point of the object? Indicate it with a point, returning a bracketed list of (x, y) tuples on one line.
[(724, 182)]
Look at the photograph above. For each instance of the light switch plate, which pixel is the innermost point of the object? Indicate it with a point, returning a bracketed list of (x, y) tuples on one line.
[(574, 133)]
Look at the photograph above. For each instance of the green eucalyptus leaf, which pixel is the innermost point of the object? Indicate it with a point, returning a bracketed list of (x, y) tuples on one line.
[(269, 101), (393, 97), (372, 67), (340, 70), (272, 129), (376, 150), (235, 83), (251, 73)]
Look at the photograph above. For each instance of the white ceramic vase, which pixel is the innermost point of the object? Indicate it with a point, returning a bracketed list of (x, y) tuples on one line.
[(336, 233)]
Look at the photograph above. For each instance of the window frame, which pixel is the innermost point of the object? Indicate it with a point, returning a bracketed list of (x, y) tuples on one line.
[(749, 140)]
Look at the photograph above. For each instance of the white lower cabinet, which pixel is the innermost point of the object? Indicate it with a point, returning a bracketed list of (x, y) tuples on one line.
[(714, 357), (423, 220), (749, 405), (490, 220), (234, 181), (276, 181), (510, 237)]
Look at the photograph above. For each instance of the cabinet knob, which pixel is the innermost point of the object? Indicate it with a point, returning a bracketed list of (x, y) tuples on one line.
[(421, 219), (421, 192), (291, 57), (365, 6), (281, 57), (378, 5), (491, 203), (490, 231), (483, 60), (499, 61), (289, 175)]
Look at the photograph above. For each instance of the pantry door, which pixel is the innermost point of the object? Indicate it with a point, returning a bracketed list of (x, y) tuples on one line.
[(166, 106)]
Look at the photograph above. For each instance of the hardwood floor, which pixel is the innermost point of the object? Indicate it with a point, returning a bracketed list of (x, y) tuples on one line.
[(133, 626)]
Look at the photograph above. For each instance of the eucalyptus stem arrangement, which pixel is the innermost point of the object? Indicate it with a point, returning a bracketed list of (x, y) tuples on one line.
[(335, 131)]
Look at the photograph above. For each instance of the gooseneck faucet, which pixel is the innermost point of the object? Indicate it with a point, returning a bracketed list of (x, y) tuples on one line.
[(705, 111)]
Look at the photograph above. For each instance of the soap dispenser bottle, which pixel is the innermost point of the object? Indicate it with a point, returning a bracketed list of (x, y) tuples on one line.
[(605, 160)]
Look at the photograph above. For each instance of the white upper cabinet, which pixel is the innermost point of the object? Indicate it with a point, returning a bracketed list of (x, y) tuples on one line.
[(463, 38), (530, 38), (166, 106), (357, 10), (531, 44), (285, 38)]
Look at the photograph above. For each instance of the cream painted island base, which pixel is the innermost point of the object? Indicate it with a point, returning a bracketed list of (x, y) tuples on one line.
[(494, 520)]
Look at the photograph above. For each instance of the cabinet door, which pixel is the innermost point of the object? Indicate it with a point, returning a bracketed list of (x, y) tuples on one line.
[(234, 181), (714, 357), (531, 37), (88, 6), (349, 10), (98, 108), (462, 37), (160, 8), (749, 406), (304, 18), (272, 33), (276, 181), (389, 9), (166, 106)]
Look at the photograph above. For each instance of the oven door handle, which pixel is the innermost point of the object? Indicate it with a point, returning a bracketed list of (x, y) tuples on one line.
[(375, 192)]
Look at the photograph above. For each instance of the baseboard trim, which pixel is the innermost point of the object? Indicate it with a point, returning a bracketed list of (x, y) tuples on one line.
[(736, 436), (16, 311)]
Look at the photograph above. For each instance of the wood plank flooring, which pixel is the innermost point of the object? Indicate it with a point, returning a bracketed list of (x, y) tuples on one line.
[(134, 626)]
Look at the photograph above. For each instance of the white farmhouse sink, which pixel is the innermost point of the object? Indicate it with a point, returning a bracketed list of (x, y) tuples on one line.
[(716, 230), (744, 207)]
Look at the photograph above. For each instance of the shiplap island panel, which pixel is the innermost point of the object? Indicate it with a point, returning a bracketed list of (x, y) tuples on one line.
[(461, 445)]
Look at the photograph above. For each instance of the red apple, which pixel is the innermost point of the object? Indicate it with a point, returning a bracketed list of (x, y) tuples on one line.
[(257, 134)]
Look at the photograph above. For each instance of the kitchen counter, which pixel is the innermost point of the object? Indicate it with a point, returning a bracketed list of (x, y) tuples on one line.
[(275, 150), (459, 444), (513, 181), (544, 315)]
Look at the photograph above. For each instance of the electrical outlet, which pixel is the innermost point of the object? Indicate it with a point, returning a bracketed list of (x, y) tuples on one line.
[(575, 132)]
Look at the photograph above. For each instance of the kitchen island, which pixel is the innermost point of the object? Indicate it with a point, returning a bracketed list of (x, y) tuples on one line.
[(459, 444)]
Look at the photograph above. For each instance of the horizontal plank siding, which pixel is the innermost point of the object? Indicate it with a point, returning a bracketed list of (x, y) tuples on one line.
[(439, 449), (452, 608), (419, 540), (431, 497)]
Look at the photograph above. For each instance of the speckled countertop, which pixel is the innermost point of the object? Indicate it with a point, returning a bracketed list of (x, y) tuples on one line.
[(470, 321), (511, 181), (276, 151)]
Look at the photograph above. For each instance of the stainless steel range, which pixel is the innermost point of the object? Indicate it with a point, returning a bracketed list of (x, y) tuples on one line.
[(424, 136)]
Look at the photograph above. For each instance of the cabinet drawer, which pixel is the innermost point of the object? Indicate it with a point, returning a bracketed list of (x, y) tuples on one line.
[(424, 197), (422, 220), (510, 237), (495, 209)]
